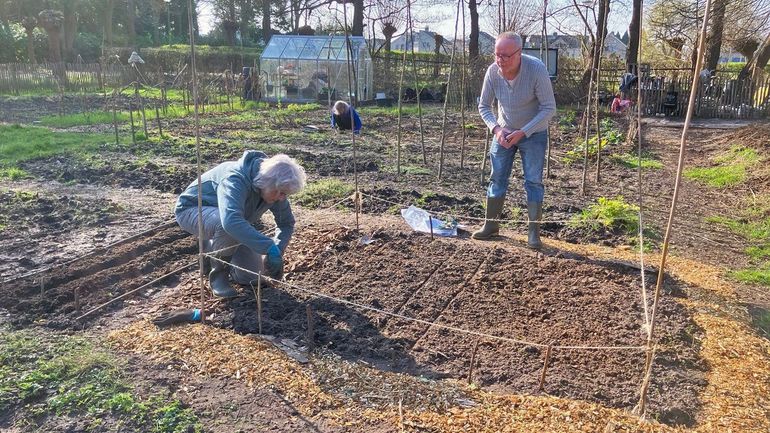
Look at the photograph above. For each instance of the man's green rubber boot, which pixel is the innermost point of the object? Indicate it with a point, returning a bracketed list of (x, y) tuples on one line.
[(535, 213), (491, 228)]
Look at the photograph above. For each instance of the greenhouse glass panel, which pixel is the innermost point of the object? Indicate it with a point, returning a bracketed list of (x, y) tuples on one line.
[(273, 50), (296, 68)]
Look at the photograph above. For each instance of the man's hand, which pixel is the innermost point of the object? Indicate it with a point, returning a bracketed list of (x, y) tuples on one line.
[(515, 136), (501, 133), (508, 137), (274, 263)]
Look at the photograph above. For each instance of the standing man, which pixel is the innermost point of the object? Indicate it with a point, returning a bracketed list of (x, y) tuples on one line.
[(525, 104)]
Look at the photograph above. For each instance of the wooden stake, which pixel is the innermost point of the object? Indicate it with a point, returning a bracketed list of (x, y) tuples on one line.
[(484, 157), (144, 115), (541, 387), (309, 337), (157, 120), (473, 362), (258, 295), (115, 118)]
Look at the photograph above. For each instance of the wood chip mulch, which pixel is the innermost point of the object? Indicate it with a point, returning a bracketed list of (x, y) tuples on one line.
[(736, 399)]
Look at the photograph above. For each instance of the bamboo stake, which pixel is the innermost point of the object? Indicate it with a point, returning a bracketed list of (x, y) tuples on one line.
[(462, 99), (131, 116), (398, 135), (541, 386), (193, 74), (484, 156), (473, 362), (664, 252), (596, 102), (157, 120), (446, 96), (115, 116), (309, 336), (141, 107), (349, 54), (416, 83), (258, 298)]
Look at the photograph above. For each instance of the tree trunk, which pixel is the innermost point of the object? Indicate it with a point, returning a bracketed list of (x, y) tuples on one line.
[(247, 16), (29, 24), (758, 61), (109, 7), (601, 34), (632, 54), (131, 23), (437, 50), (473, 37), (266, 30), (714, 38), (358, 18), (70, 31), (388, 30)]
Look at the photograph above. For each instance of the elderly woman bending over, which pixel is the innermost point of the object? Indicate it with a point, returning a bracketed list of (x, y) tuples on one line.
[(235, 195)]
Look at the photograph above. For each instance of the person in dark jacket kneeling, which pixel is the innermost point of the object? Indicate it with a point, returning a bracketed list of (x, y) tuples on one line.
[(235, 195), (341, 117)]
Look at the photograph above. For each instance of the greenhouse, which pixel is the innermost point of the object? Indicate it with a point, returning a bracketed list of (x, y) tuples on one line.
[(315, 68)]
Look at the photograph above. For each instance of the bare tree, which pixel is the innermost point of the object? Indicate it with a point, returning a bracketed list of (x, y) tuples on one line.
[(267, 31), (714, 37), (131, 22), (109, 8), (29, 24), (632, 53), (389, 14), (758, 61), (51, 21)]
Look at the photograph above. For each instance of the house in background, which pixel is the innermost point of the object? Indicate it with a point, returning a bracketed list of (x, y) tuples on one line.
[(568, 46), (575, 46), (728, 55), (424, 42)]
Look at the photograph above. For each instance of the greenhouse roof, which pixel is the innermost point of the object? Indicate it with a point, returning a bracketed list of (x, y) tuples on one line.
[(312, 47)]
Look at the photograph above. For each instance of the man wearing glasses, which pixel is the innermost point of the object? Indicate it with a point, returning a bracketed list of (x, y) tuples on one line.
[(525, 104)]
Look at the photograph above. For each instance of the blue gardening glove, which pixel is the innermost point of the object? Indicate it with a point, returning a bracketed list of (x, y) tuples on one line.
[(274, 262)]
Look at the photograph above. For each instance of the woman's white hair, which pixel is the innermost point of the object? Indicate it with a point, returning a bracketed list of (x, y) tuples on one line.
[(340, 107), (281, 173)]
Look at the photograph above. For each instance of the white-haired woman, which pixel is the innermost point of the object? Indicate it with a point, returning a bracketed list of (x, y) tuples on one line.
[(235, 195), (345, 117)]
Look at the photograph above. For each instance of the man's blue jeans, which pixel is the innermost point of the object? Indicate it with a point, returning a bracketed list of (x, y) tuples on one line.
[(532, 152)]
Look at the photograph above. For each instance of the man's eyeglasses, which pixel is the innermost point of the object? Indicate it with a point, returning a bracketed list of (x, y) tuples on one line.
[(506, 57)]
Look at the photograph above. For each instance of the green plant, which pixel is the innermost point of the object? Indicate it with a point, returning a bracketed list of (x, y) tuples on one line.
[(730, 169), (44, 374), (415, 170), (759, 275), (567, 119), (759, 252), (13, 173), (322, 192), (609, 213), (87, 118), (648, 160)]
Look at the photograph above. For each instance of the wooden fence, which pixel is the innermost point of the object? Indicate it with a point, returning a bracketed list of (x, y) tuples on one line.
[(21, 78), (665, 91)]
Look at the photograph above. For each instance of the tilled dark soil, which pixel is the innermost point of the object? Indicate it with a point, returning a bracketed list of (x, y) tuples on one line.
[(116, 171), (55, 298), (478, 287), (514, 294)]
